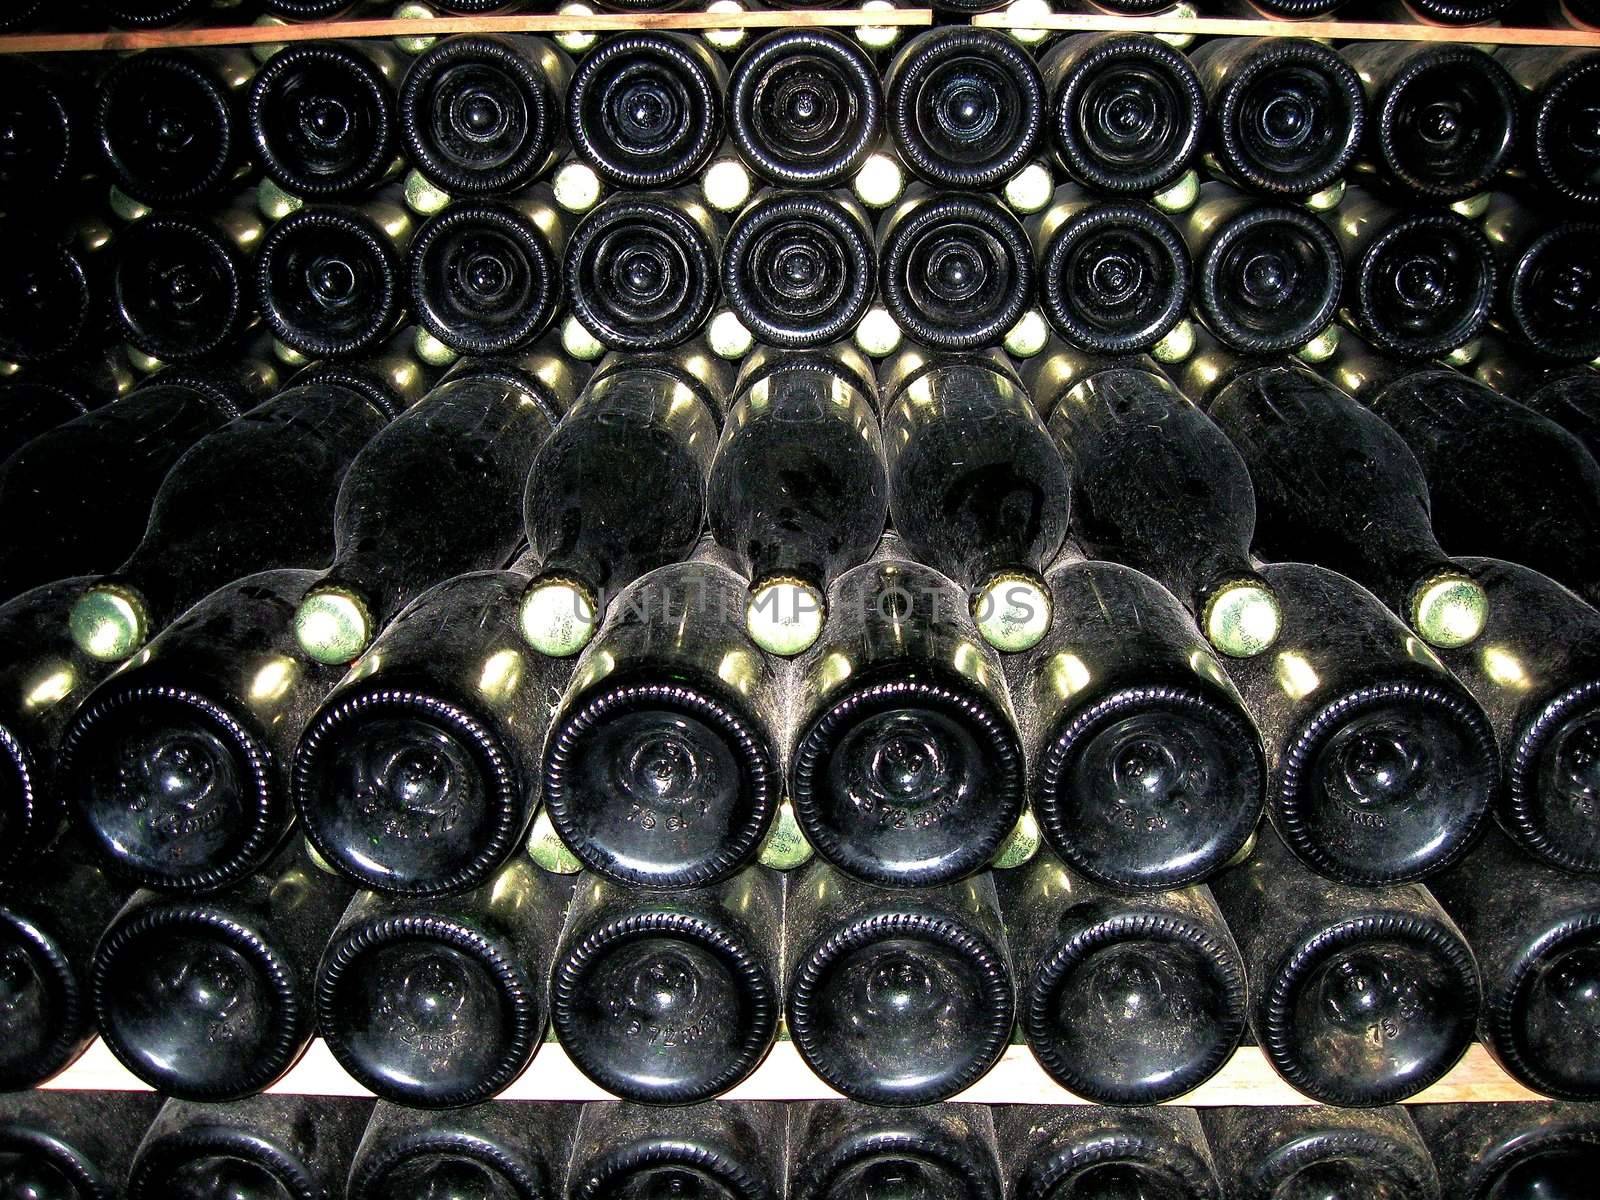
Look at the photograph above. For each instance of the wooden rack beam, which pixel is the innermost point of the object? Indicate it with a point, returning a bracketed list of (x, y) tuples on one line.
[(1331, 30)]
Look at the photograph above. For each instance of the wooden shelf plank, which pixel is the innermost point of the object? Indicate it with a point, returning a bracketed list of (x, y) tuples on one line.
[(1247, 1079), (1332, 30)]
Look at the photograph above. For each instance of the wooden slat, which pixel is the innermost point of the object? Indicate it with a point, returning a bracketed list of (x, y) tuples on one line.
[(1247, 1079), (1332, 30)]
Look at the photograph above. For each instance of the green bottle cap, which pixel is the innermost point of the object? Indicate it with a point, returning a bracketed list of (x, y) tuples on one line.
[(108, 622), (414, 12), (878, 335), (1021, 844), (726, 185), (877, 37), (333, 626), (1242, 619), (577, 187), (729, 336), (547, 849), (785, 847), (1030, 189), (1012, 611), (1449, 611), (1181, 196), (880, 181), (784, 616), (423, 197), (558, 617), (274, 203), (1028, 336)]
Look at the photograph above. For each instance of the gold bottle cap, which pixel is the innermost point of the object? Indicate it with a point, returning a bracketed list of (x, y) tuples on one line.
[(1242, 619), (726, 39), (1030, 189), (108, 622), (431, 350), (1322, 347), (547, 849), (145, 364), (332, 626), (577, 187), (728, 336), (784, 616), (878, 37), (1181, 196), (1328, 199), (785, 847), (1012, 611), (274, 203), (1019, 12), (125, 207), (1021, 844), (411, 11), (558, 617), (878, 335), (1029, 335), (579, 342), (726, 185), (880, 181), (1177, 346), (576, 41), (1449, 611), (422, 196)]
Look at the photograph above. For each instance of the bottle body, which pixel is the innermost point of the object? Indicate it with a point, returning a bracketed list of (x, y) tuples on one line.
[(1059, 1151), (841, 1149), (1488, 1149), (727, 1151), (48, 1137), (1547, 304), (1561, 87), (508, 1149), (1267, 1152)]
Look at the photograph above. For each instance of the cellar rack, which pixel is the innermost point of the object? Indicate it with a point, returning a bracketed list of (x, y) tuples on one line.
[(1247, 1078)]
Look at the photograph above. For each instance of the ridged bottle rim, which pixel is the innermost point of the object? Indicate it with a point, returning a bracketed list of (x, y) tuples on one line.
[(977, 1178), (1546, 134), (1459, 12), (354, 225), (268, 811), (745, 964), (544, 272), (1399, 231), (689, 698), (1532, 1142), (491, 756), (1294, 762), (369, 1180), (1521, 278), (217, 99), (1055, 291), (1392, 106), (375, 89), (1277, 1004), (987, 1043), (1282, 1162), (291, 1020), (65, 132), (68, 269), (1210, 296), (157, 1163), (68, 1017), (596, 1179), (1522, 780), (145, 13), (1503, 1002), (80, 1172), (351, 377), (1175, 1160), (867, 696), (518, 993), (226, 262), (23, 808)]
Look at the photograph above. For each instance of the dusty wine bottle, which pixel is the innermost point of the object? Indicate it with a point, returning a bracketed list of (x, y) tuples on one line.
[(1122, 1000), (905, 768), (31, 406), (493, 1151), (896, 997), (400, 522), (142, 14), (1560, 90), (71, 1146), (1049, 1153), (1337, 486), (977, 487), (1443, 117), (647, 424), (728, 1151), (1550, 302), (660, 769), (1570, 398), (1448, 12), (840, 1150), (441, 1003), (1127, 111), (1362, 997), (669, 998), (52, 289), (1485, 1151), (966, 107), (419, 775), (212, 1000), (46, 127), (1267, 276), (392, 377), (1539, 954), (485, 276), (798, 491), (1147, 773), (799, 269), (1113, 274), (1307, 1153), (480, 115), (646, 108), (263, 1146), (322, 117)]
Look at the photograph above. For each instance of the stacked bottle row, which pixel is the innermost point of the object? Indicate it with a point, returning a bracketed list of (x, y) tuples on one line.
[(491, 248), (300, 1146)]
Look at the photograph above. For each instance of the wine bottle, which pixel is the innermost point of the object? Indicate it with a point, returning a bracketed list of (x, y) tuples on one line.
[(436, 494), (1549, 301), (22, 15), (896, 997), (322, 117), (726, 1151), (646, 108), (140, 14), (1452, 12), (480, 115), (1504, 480), (31, 406), (212, 1000), (485, 276), (76, 499), (1571, 398), (441, 1003), (170, 124), (291, 1146), (647, 426), (1267, 277), (1147, 773), (1127, 111), (1113, 274), (1536, 932), (1564, 150), (966, 107), (1051, 1152), (669, 998), (800, 269), (805, 107), (46, 129), (1361, 997), (1484, 1151), (52, 289), (660, 769), (391, 377), (239, 380), (1421, 283), (1286, 115), (906, 769), (419, 775), (52, 911), (1123, 1000), (501, 1149), (310, 10), (845, 1149), (328, 277), (177, 767), (977, 487), (1284, 1153), (71, 1145), (641, 270), (798, 491), (1444, 117), (1581, 14), (1337, 486)]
